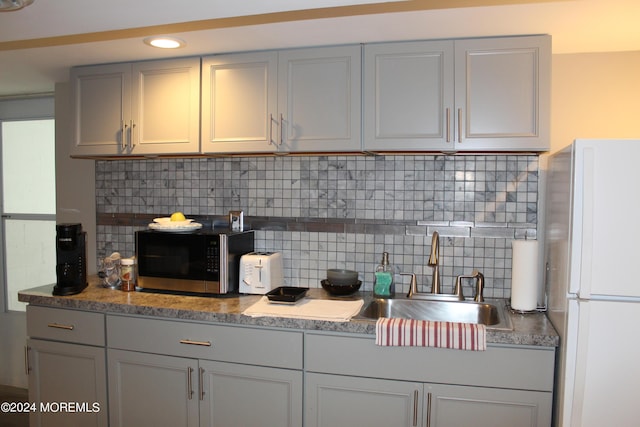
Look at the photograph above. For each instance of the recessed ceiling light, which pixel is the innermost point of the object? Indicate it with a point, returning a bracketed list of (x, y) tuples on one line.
[(165, 42)]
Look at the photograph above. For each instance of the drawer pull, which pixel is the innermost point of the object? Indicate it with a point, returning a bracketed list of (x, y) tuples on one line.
[(59, 326), (415, 407), (191, 342)]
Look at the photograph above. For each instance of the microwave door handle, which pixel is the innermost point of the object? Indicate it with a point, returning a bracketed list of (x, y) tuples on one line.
[(224, 278)]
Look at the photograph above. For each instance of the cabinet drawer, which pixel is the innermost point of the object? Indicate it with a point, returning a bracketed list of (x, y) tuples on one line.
[(201, 341), (65, 325), (505, 366)]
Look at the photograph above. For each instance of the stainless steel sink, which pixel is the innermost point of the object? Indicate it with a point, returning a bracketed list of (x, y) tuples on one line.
[(491, 313)]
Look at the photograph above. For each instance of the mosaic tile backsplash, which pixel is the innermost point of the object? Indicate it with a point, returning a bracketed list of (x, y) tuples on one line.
[(478, 204)]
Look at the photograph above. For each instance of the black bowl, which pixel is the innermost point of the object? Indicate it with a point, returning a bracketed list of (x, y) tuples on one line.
[(340, 289)]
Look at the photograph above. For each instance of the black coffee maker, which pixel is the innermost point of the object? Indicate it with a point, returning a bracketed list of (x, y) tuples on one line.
[(71, 259)]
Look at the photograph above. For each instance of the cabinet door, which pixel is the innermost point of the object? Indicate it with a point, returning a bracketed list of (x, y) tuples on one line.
[(342, 401), (62, 372), (319, 99), (165, 116), (486, 407), (408, 96), (152, 390), (245, 395), (239, 103), (100, 103), (502, 92)]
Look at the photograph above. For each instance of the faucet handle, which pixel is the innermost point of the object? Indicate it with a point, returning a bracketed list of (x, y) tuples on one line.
[(479, 286), (458, 289), (413, 285)]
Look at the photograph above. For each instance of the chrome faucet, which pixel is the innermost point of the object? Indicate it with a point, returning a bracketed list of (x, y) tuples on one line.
[(434, 262)]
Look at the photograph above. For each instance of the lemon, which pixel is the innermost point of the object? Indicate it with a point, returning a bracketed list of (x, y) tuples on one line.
[(177, 216)]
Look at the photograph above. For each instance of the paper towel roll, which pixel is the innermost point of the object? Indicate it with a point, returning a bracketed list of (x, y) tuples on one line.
[(524, 275)]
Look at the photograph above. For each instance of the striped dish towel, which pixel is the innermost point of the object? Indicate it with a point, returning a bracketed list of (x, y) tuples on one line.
[(425, 333)]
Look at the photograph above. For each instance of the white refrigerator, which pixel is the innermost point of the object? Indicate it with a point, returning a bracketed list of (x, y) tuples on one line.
[(592, 256)]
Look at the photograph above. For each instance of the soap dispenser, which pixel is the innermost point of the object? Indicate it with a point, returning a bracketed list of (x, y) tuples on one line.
[(383, 284)]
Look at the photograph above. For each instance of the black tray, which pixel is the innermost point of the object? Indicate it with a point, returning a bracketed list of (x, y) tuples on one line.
[(288, 294)]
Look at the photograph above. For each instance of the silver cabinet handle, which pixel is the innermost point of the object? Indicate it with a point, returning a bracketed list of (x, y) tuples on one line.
[(123, 135), (460, 125), (270, 128), (192, 342), (59, 326), (131, 135), (27, 368), (448, 113), (281, 129), (429, 410), (189, 383), (201, 384), (415, 408)]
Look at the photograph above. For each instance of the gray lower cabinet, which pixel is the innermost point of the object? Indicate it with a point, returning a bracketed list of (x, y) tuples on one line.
[(151, 390), (448, 405), (337, 400), (343, 401), (66, 365), (348, 378), (191, 374), (188, 374), (245, 395)]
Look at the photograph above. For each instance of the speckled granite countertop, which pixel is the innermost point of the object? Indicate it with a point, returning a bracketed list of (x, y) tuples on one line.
[(529, 329)]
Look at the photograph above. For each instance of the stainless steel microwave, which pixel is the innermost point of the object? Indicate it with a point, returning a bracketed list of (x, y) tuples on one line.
[(204, 262)]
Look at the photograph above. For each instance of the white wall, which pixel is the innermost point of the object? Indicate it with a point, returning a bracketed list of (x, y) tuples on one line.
[(595, 95), (75, 179)]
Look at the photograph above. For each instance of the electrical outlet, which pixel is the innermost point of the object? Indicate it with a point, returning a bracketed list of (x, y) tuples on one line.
[(236, 220)]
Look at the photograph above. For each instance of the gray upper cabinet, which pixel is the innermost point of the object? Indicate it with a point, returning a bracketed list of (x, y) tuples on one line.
[(240, 103), (470, 95), (408, 96), (489, 94), (503, 90), (299, 100), (141, 108), (319, 99)]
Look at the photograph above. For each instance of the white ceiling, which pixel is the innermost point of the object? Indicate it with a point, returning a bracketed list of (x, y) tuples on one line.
[(39, 43)]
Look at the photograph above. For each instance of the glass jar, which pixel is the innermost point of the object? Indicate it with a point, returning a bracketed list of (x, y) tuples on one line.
[(127, 275), (110, 271)]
